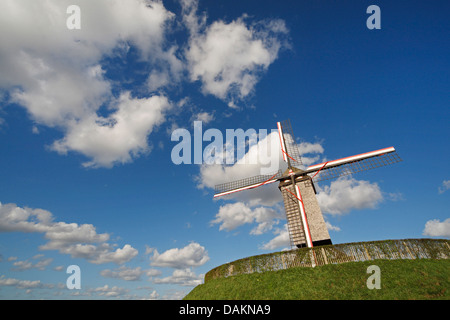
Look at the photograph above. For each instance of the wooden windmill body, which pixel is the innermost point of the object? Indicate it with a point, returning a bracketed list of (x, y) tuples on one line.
[(306, 224)]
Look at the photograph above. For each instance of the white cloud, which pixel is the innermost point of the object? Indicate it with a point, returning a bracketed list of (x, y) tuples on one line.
[(41, 264), (59, 94), (153, 295), (107, 291), (346, 194), (184, 277), (444, 187), (40, 30), (281, 240), (157, 80), (204, 117), (193, 255), (228, 58), (80, 241), (22, 284), (436, 228), (153, 273), (314, 150), (330, 227), (102, 253), (73, 233), (55, 73), (233, 215), (13, 218), (58, 75), (119, 137), (124, 273), (308, 147)]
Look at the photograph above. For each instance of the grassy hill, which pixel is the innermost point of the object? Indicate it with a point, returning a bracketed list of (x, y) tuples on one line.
[(400, 279)]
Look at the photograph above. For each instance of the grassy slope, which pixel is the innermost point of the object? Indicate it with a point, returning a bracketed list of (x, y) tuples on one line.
[(400, 279)]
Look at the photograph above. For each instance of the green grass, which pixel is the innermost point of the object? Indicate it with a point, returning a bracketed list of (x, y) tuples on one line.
[(422, 279)]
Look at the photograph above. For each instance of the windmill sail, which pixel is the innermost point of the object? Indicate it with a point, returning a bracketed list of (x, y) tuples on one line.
[(245, 184), (289, 147), (349, 165), (306, 224)]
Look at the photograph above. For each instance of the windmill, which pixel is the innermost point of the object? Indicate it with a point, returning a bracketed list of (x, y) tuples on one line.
[(306, 224)]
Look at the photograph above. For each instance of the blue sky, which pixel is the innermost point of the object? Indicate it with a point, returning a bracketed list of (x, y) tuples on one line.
[(86, 117)]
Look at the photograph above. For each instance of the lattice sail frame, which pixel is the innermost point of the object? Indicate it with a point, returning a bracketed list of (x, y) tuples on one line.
[(346, 166), (247, 183), (289, 147)]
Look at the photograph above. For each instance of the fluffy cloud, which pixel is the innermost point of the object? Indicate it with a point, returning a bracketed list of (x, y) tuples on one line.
[(184, 277), (125, 273), (97, 254), (204, 117), (129, 274), (118, 137), (107, 291), (23, 284), (193, 255), (40, 264), (13, 218), (228, 58), (346, 194), (330, 227), (233, 215), (280, 240), (310, 152), (79, 241), (153, 295), (59, 75), (436, 228)]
